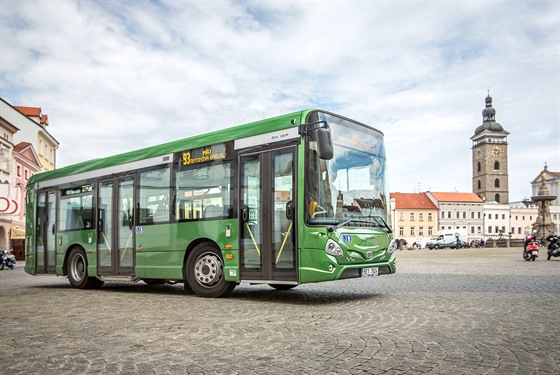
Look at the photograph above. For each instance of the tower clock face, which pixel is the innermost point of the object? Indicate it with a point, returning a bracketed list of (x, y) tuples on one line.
[(478, 153), (496, 151)]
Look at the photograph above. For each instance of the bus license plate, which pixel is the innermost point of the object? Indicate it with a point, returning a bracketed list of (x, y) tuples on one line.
[(369, 272)]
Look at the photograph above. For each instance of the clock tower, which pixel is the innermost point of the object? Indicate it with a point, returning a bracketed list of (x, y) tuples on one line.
[(490, 158)]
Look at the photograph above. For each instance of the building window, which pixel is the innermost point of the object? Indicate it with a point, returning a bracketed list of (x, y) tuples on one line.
[(496, 165), (472, 230), (472, 215), (421, 231), (478, 167), (449, 214), (478, 184), (429, 216), (412, 231), (430, 231), (489, 229), (497, 183), (503, 216), (401, 231), (401, 216), (421, 216), (497, 198), (443, 214), (25, 174), (479, 214), (412, 216), (457, 214), (19, 171)]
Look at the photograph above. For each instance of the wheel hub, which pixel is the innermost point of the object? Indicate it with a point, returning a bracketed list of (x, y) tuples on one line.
[(208, 270)]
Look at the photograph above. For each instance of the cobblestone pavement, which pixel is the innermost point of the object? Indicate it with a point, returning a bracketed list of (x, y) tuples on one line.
[(473, 311)]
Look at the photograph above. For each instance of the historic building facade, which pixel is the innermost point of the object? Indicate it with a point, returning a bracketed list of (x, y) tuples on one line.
[(490, 158), (26, 147), (414, 217)]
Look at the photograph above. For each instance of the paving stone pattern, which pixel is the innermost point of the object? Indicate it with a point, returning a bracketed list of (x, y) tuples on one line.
[(471, 311)]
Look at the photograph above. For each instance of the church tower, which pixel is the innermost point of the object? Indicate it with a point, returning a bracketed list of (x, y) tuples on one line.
[(490, 158)]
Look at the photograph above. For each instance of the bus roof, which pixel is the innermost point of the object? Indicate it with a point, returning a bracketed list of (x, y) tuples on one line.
[(223, 135)]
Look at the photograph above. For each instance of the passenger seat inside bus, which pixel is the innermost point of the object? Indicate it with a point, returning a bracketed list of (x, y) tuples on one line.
[(212, 211)]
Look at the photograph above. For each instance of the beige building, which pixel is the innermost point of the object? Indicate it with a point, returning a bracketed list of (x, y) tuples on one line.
[(522, 216), (414, 218), (33, 128)]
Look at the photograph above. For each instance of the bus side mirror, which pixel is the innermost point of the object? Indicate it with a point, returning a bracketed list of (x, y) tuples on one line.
[(324, 142)]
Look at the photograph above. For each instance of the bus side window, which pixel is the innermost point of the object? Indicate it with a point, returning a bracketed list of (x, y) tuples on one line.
[(204, 192), (154, 196)]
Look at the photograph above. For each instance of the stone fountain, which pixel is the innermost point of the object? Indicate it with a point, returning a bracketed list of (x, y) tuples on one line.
[(544, 224)]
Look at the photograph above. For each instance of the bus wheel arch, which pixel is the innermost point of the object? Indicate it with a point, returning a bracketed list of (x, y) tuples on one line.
[(75, 266), (204, 270)]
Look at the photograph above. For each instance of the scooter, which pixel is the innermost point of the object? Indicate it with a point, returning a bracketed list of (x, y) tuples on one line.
[(530, 247), (7, 260), (553, 246)]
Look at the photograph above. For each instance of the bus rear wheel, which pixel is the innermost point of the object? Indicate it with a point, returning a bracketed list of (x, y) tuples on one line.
[(77, 270), (205, 272)]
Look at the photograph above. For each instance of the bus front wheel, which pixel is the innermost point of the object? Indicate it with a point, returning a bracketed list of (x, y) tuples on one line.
[(205, 272), (77, 271)]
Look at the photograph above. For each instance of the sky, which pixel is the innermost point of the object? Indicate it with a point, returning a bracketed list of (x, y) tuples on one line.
[(115, 76)]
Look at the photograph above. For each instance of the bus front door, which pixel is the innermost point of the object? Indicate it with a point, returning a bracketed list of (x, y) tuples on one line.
[(267, 216), (115, 227)]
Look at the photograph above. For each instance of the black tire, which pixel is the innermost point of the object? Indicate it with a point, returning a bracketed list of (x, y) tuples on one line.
[(2, 266), (77, 271), (205, 272), (436, 247), (526, 256), (282, 286), (533, 258)]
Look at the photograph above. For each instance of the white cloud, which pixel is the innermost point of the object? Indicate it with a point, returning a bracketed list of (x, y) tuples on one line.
[(124, 76)]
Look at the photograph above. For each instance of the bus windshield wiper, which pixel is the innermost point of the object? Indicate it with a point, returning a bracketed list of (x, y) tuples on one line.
[(377, 220), (339, 225)]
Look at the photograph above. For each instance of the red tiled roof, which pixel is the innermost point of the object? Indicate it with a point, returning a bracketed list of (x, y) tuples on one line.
[(44, 120), (457, 197), (412, 201), (29, 111), (22, 145)]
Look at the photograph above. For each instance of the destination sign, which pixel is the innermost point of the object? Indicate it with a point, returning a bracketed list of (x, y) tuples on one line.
[(204, 154)]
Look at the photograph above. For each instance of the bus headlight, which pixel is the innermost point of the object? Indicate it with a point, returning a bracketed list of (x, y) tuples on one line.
[(392, 247), (333, 249)]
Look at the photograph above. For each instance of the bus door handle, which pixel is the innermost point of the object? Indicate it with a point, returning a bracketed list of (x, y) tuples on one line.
[(53, 229), (131, 220), (245, 214), (289, 210), (100, 225)]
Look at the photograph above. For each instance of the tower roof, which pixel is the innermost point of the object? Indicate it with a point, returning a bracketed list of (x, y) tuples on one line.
[(489, 123)]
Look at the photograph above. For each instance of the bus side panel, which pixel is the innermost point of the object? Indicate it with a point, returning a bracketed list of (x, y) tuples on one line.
[(161, 248)]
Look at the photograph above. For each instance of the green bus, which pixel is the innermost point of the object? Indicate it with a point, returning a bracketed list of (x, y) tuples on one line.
[(289, 200)]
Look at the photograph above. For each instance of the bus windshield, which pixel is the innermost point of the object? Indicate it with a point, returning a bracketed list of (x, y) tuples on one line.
[(351, 188)]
